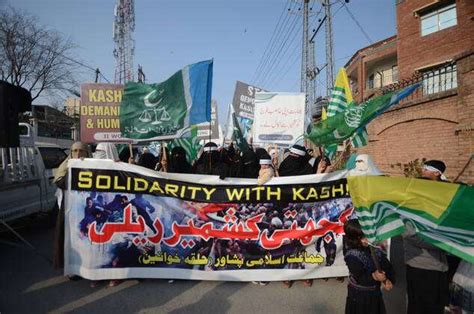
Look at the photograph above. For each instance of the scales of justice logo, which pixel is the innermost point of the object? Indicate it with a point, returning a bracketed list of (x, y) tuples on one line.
[(153, 113)]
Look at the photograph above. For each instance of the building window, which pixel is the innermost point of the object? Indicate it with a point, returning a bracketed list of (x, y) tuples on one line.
[(440, 79), (437, 20), (371, 81), (394, 73)]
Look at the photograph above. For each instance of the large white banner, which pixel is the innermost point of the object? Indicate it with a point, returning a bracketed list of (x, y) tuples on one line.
[(279, 117), (126, 221)]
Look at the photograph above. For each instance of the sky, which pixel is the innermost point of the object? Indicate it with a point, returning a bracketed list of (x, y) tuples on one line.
[(253, 41)]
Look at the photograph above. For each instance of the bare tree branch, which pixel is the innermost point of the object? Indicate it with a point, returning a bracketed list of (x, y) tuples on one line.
[(34, 57)]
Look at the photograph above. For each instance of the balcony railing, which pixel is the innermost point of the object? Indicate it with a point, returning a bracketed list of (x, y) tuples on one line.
[(434, 81)]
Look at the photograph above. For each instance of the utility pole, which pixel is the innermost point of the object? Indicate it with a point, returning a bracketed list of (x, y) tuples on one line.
[(308, 66), (329, 49)]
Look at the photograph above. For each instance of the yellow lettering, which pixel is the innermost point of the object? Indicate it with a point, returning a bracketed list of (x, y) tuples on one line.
[(257, 191), (83, 110), (297, 194), (100, 96), (312, 194), (85, 179), (234, 194), (193, 191), (137, 187), (98, 183), (338, 190), (114, 123), (156, 187), (109, 95), (172, 189), (325, 192), (208, 193), (114, 110), (118, 95), (100, 123), (116, 184), (277, 193), (92, 95)]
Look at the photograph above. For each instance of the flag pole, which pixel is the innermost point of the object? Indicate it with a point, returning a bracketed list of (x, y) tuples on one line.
[(130, 150)]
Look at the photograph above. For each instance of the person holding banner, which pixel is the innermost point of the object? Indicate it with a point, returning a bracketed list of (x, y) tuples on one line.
[(368, 271), (209, 162), (426, 265), (296, 163), (78, 150), (163, 157), (178, 162), (266, 172), (322, 164)]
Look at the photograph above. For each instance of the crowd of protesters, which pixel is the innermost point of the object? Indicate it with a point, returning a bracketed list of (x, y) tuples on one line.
[(430, 271)]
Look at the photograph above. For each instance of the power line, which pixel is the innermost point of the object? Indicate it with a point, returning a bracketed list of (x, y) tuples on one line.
[(282, 32), (277, 60), (357, 22), (262, 59), (61, 54)]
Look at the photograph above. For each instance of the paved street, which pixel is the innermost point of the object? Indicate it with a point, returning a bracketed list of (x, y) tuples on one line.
[(28, 284)]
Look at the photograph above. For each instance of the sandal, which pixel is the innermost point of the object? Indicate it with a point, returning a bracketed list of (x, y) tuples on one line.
[(287, 284), (114, 283), (94, 283)]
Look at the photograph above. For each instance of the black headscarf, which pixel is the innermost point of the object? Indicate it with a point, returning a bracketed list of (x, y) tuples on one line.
[(249, 165), (295, 165), (178, 161), (147, 160), (209, 162)]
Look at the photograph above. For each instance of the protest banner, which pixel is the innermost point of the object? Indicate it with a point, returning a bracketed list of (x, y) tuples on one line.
[(243, 105), (204, 129), (279, 117), (125, 221), (168, 109), (100, 110)]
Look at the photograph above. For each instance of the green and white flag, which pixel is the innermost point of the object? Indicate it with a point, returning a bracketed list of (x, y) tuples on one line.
[(189, 144), (360, 138), (441, 213), (238, 136), (166, 110), (343, 125)]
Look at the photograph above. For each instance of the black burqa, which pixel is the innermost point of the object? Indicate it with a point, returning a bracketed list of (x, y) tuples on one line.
[(295, 165), (249, 166), (209, 162), (147, 160), (179, 162)]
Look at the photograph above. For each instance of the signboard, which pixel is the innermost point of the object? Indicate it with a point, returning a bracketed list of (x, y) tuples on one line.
[(203, 128), (243, 104), (100, 110), (279, 117), (127, 221)]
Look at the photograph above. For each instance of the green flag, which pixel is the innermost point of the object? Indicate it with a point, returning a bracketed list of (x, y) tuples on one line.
[(166, 110), (190, 144), (238, 136), (441, 213), (355, 117)]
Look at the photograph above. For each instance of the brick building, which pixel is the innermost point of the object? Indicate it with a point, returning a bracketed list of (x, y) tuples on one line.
[(435, 42)]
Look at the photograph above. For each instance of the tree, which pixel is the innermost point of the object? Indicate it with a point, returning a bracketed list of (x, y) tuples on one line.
[(33, 56)]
